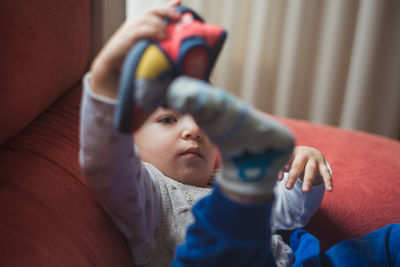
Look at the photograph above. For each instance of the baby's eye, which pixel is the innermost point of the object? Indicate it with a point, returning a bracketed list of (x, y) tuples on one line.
[(167, 120)]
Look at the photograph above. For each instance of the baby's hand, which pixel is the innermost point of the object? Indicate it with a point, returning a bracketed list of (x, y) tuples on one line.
[(310, 161), (107, 65)]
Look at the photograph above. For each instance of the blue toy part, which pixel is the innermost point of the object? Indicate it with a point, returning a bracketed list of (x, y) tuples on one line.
[(123, 117), (256, 166)]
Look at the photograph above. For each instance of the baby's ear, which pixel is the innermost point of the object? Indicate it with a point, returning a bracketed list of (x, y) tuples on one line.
[(217, 163)]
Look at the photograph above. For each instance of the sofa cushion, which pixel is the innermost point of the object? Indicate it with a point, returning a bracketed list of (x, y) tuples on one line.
[(44, 50), (366, 181), (48, 215)]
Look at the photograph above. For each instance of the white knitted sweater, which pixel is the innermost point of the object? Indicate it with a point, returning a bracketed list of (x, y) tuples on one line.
[(177, 200)]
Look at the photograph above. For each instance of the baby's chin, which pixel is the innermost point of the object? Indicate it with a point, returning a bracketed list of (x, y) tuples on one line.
[(196, 178)]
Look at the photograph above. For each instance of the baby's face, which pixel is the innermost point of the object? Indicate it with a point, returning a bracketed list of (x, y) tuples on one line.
[(175, 144)]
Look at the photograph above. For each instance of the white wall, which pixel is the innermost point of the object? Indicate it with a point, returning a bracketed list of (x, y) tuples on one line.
[(107, 15)]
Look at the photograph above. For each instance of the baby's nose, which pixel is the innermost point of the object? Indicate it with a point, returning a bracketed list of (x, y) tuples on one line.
[(191, 129)]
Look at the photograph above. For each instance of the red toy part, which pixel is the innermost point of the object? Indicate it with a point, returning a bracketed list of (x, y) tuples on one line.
[(205, 39)]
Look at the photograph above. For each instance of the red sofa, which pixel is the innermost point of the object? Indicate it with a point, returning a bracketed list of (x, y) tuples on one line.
[(48, 217)]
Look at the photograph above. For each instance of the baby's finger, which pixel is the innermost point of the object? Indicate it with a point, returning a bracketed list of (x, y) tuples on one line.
[(326, 176), (286, 168), (296, 169), (173, 3), (166, 12), (309, 175), (280, 176)]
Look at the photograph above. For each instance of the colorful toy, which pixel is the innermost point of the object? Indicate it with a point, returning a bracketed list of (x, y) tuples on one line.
[(191, 49)]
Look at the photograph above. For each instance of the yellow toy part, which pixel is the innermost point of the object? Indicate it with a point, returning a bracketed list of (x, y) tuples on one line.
[(152, 63)]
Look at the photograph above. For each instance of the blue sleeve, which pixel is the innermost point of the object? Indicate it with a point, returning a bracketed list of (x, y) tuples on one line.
[(378, 248), (227, 233)]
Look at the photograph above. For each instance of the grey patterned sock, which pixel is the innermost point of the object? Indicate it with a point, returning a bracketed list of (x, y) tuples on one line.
[(253, 146)]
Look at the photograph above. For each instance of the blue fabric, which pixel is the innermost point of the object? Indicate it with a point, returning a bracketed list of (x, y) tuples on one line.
[(227, 233), (378, 248)]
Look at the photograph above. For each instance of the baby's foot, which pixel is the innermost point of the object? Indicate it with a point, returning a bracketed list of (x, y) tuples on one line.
[(253, 146)]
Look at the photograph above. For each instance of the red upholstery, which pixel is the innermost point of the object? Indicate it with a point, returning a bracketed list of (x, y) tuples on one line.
[(48, 217), (366, 177), (43, 50)]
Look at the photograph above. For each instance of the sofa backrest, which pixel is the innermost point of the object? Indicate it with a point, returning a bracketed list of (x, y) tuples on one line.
[(44, 49)]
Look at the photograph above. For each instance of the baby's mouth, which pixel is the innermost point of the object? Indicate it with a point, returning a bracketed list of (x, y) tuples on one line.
[(192, 151)]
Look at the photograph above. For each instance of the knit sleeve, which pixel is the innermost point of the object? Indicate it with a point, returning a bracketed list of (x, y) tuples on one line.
[(113, 170), (292, 209)]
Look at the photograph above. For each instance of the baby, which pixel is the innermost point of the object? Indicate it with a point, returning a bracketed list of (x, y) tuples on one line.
[(149, 182)]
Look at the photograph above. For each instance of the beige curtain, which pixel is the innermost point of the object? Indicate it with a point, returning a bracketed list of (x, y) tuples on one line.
[(333, 62)]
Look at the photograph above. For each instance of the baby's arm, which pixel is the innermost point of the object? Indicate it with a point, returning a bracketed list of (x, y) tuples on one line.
[(114, 172), (110, 163), (299, 191), (294, 208)]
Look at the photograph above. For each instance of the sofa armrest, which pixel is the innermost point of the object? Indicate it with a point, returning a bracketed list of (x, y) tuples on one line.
[(44, 51)]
